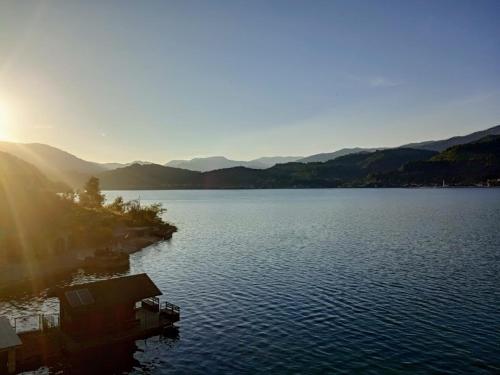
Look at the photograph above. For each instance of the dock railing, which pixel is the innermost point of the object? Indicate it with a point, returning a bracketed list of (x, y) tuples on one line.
[(170, 307)]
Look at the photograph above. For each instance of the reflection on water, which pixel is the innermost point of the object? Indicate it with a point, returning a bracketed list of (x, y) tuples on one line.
[(320, 281), (115, 359)]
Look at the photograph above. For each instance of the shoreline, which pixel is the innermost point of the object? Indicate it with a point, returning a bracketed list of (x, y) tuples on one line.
[(45, 273), (306, 188)]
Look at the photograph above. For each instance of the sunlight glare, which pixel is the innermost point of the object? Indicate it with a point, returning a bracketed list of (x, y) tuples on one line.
[(3, 123)]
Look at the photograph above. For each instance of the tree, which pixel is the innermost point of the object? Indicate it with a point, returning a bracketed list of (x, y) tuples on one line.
[(118, 205), (91, 196)]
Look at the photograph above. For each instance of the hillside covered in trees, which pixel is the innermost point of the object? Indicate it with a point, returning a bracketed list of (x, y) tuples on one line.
[(463, 165), (468, 164)]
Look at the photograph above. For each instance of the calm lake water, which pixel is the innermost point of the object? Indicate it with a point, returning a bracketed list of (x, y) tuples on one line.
[(383, 281)]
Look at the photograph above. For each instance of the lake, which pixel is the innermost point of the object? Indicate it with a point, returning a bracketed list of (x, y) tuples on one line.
[(363, 281)]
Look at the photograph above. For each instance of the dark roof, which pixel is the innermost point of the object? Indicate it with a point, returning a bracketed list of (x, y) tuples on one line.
[(108, 292), (8, 336)]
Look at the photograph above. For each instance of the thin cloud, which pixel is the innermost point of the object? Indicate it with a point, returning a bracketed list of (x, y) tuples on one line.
[(375, 81), (474, 99), (383, 82)]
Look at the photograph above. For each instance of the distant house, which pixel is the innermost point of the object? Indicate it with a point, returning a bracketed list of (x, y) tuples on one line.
[(493, 182)]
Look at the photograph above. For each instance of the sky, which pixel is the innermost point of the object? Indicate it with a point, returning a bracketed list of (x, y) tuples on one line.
[(116, 81)]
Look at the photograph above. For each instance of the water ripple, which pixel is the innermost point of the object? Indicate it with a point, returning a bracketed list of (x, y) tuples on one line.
[(322, 281)]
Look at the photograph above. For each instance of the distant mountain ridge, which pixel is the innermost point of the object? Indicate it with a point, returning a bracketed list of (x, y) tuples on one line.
[(469, 164), (466, 164), (271, 161), (110, 166), (336, 154), (333, 173), (442, 145), (56, 164), (439, 145), (221, 162), (61, 166)]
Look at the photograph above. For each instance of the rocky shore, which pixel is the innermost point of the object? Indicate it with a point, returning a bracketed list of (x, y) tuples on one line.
[(40, 274)]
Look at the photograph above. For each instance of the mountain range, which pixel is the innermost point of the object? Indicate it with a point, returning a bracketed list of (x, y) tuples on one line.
[(59, 165), (469, 164), (56, 164), (442, 145), (110, 166), (221, 162), (333, 155), (464, 164)]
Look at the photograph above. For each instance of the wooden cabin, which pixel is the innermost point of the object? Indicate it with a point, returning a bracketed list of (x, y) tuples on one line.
[(104, 307), (91, 315)]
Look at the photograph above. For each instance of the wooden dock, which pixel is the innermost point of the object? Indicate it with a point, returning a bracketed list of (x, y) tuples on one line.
[(80, 328), (44, 346)]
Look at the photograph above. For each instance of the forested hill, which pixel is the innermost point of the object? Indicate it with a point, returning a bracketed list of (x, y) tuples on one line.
[(149, 176), (17, 175), (460, 165), (467, 164), (444, 144), (54, 163), (59, 165), (29, 207), (349, 169)]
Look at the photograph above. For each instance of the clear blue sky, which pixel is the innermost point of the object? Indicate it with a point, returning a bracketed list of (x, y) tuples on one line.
[(161, 80)]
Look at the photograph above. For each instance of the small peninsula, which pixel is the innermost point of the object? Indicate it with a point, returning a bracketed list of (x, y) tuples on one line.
[(47, 229)]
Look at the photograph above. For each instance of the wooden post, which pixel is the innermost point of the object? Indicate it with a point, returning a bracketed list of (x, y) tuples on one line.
[(11, 361)]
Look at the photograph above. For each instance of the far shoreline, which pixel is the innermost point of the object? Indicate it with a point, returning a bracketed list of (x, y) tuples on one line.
[(309, 188)]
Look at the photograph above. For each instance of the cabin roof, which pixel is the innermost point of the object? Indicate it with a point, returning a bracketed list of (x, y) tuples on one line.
[(8, 336), (108, 292)]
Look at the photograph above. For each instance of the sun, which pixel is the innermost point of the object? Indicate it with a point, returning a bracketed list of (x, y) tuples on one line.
[(4, 134)]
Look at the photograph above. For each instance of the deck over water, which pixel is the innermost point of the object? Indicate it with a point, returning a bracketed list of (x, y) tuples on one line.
[(44, 346)]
